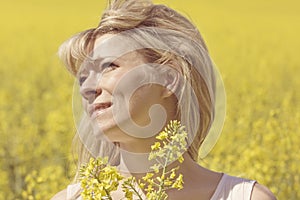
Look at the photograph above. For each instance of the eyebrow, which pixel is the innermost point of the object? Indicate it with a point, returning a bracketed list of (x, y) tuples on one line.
[(95, 63)]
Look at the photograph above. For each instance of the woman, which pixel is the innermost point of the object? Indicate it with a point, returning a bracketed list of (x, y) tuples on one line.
[(141, 67)]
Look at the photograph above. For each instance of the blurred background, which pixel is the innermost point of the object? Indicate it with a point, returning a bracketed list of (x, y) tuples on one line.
[(255, 45)]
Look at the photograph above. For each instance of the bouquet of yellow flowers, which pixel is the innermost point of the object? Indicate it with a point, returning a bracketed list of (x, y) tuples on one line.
[(99, 179)]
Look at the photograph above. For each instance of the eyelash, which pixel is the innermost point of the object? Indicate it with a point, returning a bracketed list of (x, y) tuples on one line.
[(109, 66), (82, 79)]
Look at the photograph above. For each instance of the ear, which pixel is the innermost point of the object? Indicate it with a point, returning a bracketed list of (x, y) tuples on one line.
[(172, 82)]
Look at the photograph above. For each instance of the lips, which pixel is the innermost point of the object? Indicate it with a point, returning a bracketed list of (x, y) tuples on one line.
[(98, 108)]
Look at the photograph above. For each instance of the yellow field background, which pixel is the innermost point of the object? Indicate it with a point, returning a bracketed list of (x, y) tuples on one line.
[(254, 43)]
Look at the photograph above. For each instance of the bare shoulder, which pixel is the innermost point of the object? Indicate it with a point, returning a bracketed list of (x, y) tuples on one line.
[(261, 192), (62, 195)]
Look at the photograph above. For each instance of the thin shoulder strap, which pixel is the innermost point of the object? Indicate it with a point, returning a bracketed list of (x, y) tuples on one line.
[(73, 192), (233, 188)]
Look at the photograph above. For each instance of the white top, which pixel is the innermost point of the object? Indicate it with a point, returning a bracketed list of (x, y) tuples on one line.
[(233, 188), (229, 188), (72, 190)]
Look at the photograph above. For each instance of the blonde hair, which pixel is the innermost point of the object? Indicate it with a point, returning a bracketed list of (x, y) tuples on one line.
[(124, 15)]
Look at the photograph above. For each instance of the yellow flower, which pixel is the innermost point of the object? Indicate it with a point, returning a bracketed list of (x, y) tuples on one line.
[(168, 183), (162, 135), (148, 176), (178, 182), (155, 146), (173, 174), (98, 179), (181, 159)]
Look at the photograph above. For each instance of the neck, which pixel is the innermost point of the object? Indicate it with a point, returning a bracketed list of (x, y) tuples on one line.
[(135, 163), (197, 180)]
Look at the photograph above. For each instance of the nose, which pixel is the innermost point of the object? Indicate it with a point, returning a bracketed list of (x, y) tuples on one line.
[(90, 89)]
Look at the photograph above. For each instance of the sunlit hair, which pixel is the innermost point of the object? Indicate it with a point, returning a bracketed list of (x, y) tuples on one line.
[(123, 15)]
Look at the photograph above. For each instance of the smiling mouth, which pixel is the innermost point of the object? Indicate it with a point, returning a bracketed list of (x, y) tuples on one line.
[(100, 108)]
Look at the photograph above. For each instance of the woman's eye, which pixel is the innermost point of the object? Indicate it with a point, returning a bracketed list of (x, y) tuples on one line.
[(81, 80), (109, 66)]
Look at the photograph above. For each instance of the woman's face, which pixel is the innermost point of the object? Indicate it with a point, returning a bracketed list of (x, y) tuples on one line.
[(117, 93)]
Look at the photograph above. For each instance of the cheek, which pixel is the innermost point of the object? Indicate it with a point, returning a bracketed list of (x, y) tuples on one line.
[(110, 81), (130, 80), (143, 99)]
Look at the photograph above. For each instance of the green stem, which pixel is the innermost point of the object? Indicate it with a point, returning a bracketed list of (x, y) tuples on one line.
[(106, 192), (158, 185), (135, 191), (161, 186)]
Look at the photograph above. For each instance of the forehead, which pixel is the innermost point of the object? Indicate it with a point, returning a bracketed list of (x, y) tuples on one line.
[(113, 46)]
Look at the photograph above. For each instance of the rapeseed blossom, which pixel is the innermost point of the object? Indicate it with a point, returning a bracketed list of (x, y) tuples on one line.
[(99, 179)]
